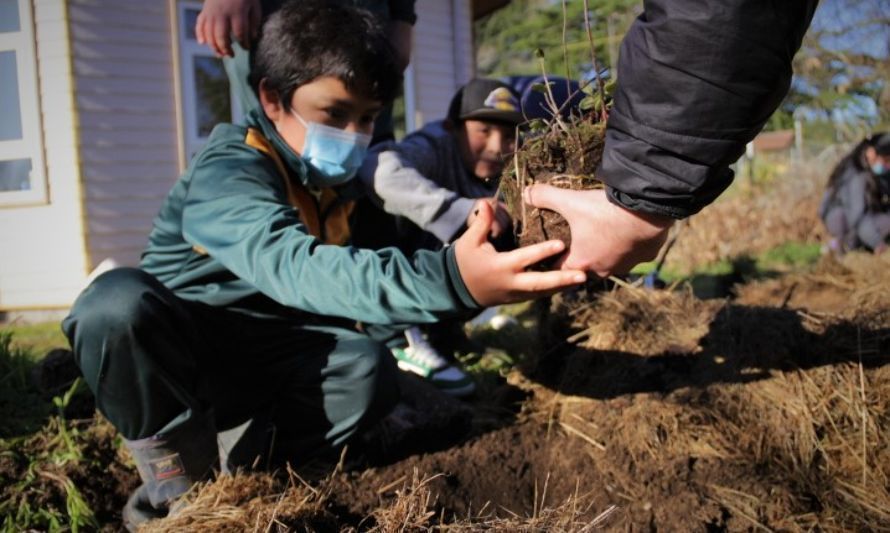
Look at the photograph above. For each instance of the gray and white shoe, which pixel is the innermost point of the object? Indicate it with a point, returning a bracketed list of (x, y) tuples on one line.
[(420, 358)]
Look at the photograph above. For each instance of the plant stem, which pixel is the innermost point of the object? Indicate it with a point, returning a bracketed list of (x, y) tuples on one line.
[(599, 82)]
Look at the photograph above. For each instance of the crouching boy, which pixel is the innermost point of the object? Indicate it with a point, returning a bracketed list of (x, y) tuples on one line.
[(433, 182), (241, 316)]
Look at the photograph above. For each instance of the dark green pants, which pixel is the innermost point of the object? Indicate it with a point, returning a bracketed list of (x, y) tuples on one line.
[(155, 361)]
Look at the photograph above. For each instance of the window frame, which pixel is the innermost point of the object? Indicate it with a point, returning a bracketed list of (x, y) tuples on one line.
[(30, 146), (185, 51)]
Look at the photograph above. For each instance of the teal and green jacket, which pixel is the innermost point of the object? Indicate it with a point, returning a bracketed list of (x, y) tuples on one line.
[(235, 232)]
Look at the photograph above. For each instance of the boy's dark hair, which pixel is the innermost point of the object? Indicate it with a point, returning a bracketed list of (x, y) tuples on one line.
[(309, 39)]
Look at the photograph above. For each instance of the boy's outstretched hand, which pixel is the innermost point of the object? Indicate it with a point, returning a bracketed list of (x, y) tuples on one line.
[(496, 278), (501, 222)]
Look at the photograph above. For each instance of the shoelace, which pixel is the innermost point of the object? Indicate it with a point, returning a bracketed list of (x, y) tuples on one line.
[(422, 351)]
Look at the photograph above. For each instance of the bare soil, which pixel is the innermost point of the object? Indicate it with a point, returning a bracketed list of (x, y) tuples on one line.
[(641, 410), (83, 454), (766, 412)]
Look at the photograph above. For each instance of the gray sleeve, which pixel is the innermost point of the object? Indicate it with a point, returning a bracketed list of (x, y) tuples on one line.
[(399, 184), (872, 229), (853, 199), (862, 220)]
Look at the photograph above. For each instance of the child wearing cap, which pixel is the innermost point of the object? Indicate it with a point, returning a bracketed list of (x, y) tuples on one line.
[(434, 181)]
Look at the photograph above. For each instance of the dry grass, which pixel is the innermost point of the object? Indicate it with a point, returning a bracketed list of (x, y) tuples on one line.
[(412, 510), (752, 220), (641, 321), (781, 420), (251, 502)]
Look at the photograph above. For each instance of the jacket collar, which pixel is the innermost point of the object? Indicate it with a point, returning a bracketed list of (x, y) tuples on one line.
[(295, 164)]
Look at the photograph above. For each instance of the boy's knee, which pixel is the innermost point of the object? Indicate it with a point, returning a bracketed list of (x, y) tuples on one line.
[(112, 300), (374, 374), (105, 315)]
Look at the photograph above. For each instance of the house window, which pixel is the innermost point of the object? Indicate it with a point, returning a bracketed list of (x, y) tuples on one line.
[(22, 174), (206, 97)]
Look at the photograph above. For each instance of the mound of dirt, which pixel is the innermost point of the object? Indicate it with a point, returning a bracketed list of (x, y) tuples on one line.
[(686, 415), (648, 410)]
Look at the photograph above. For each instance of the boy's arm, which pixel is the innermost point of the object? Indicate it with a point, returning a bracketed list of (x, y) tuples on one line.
[(401, 186), (235, 211), (401, 22)]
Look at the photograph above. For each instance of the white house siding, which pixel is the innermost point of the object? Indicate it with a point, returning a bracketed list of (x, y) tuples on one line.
[(443, 55), (42, 262), (124, 77), (106, 78)]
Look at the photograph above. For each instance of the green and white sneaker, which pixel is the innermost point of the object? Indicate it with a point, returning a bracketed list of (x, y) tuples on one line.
[(420, 358)]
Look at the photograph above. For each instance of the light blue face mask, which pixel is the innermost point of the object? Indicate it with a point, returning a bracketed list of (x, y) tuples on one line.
[(334, 155), (878, 168)]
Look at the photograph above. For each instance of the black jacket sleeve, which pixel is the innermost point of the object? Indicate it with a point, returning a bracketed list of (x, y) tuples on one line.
[(697, 79)]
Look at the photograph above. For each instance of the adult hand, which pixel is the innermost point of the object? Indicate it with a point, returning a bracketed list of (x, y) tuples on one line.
[(219, 20), (606, 239), (496, 278), (501, 220)]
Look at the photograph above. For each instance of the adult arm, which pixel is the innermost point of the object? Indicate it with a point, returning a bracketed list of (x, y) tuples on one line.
[(696, 82), (400, 28), (220, 20)]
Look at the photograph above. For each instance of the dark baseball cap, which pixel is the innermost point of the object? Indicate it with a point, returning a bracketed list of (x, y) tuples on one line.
[(485, 99)]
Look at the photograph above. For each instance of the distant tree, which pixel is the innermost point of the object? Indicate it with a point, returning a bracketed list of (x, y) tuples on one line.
[(842, 72), (507, 39)]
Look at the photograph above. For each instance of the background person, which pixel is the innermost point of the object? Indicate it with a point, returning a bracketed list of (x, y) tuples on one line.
[(856, 205), (433, 182), (230, 28)]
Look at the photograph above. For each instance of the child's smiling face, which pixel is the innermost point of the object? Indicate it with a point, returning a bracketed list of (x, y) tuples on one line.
[(325, 100), (484, 145)]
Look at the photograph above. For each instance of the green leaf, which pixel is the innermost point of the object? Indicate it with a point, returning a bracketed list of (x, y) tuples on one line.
[(537, 124)]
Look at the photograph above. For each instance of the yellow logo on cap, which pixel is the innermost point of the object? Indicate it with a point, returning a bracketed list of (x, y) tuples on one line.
[(501, 99)]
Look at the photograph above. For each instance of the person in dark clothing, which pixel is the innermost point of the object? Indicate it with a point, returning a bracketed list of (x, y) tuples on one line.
[(856, 205), (239, 329), (697, 80), (230, 27)]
